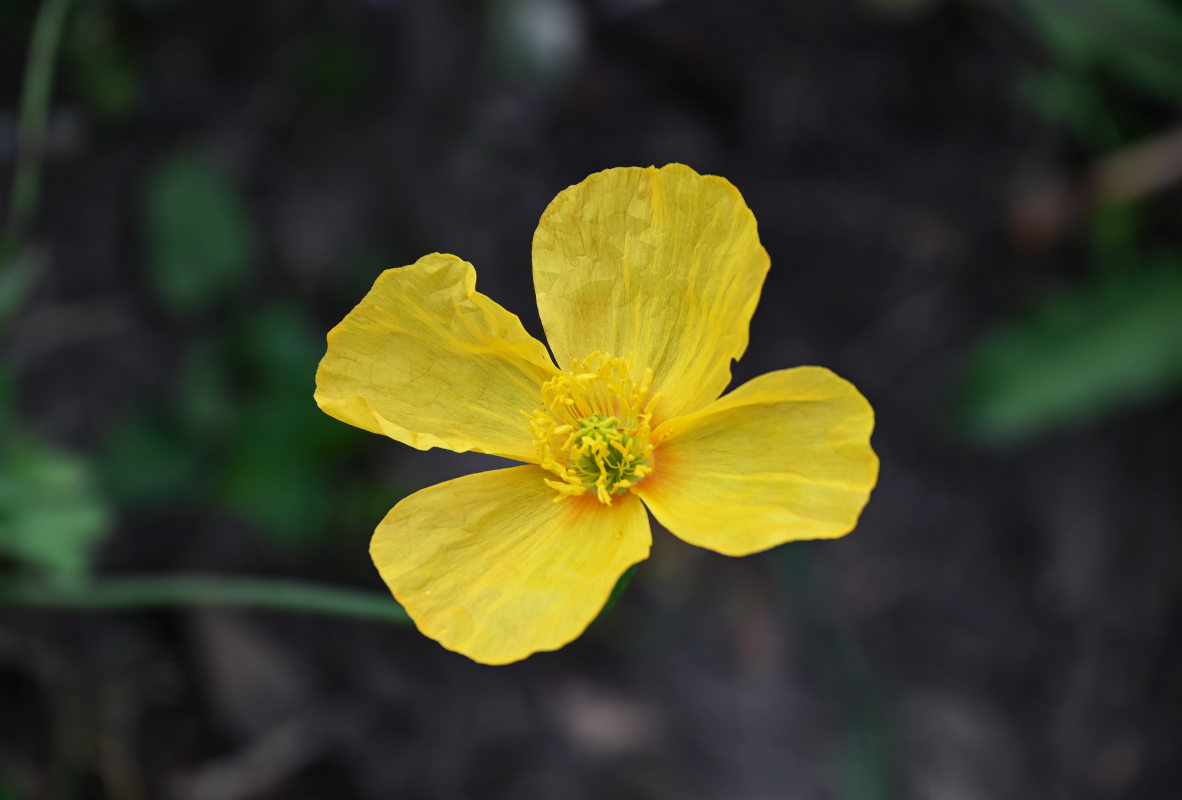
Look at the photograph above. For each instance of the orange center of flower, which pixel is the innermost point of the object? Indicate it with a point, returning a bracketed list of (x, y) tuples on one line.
[(594, 428)]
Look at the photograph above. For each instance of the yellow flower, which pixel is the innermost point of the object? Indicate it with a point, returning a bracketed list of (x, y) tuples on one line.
[(646, 281)]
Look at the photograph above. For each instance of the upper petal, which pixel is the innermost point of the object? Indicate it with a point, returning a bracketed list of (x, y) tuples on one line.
[(664, 265), (490, 566), (426, 359), (785, 456)]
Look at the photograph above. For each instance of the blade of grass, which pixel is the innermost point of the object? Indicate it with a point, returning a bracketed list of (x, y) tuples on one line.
[(34, 116)]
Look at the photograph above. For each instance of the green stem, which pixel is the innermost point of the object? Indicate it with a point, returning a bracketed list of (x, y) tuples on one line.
[(199, 590), (868, 770), (34, 117)]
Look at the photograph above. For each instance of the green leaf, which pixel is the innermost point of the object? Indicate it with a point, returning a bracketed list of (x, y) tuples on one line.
[(277, 474), (198, 234), (281, 347), (360, 502), (145, 464), (51, 514), (1114, 342), (280, 351), (204, 398), (1076, 103), (277, 488), (1114, 235), (1136, 41), (247, 402), (102, 64)]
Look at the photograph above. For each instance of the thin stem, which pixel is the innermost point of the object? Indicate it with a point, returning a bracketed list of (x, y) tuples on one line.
[(201, 590), (34, 116), (867, 739)]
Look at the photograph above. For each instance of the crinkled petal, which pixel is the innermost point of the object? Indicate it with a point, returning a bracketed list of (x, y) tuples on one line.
[(429, 361), (785, 456), (489, 565), (663, 265)]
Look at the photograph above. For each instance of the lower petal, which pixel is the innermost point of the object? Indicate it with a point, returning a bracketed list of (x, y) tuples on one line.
[(785, 456), (489, 565)]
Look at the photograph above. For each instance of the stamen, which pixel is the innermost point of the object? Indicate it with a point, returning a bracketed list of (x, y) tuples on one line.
[(594, 427)]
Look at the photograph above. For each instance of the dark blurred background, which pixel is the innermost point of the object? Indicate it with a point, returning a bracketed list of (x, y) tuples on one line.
[(972, 210)]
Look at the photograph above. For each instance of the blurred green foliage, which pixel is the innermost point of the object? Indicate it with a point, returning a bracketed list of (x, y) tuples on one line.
[(1115, 339), (240, 432), (867, 757), (237, 431), (146, 462), (17, 275), (51, 512), (198, 237), (1135, 42), (278, 473), (1075, 103), (103, 67), (1105, 58)]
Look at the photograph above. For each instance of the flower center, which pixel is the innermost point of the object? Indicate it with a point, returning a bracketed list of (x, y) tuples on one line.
[(594, 427)]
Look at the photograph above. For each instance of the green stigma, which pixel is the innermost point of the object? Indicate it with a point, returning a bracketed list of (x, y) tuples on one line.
[(606, 458)]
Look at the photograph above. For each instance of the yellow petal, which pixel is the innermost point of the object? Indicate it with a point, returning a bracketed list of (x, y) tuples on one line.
[(785, 456), (664, 265), (429, 361), (490, 566)]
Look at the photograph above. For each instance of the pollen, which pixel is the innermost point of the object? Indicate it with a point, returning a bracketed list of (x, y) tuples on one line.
[(594, 427)]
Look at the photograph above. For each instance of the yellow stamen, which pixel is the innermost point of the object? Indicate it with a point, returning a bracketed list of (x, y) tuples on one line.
[(594, 427)]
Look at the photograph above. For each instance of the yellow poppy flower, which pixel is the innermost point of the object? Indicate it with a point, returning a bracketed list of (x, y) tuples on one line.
[(646, 281)]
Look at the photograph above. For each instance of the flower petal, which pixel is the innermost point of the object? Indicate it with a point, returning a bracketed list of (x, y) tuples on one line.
[(785, 456), (489, 565), (663, 265), (426, 359)]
